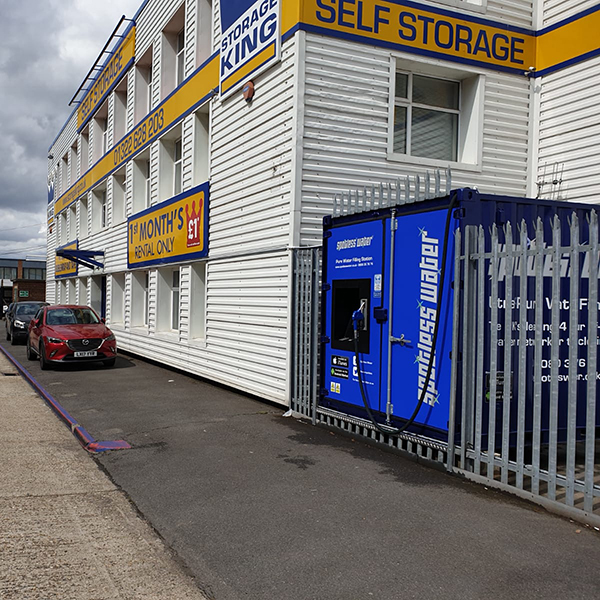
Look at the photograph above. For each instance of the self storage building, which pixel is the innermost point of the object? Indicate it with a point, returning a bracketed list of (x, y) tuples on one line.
[(210, 139)]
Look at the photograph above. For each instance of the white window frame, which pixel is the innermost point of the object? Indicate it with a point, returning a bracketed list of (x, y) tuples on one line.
[(471, 107), (180, 57), (177, 166), (175, 299), (103, 211), (409, 105)]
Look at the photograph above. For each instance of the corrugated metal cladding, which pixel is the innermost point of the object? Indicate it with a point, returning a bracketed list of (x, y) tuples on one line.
[(347, 123), (557, 10), (569, 136), (319, 124), (511, 12)]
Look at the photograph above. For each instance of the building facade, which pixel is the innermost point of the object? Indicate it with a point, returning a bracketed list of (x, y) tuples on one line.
[(178, 192), (22, 280)]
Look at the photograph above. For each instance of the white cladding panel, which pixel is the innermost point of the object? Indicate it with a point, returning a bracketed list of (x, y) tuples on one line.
[(347, 119), (59, 148), (251, 158), (511, 12), (557, 10), (151, 21), (246, 339), (569, 136)]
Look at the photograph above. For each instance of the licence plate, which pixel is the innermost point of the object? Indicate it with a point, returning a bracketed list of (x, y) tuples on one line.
[(85, 353)]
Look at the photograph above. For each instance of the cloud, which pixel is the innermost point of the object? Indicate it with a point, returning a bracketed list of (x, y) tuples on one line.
[(46, 49)]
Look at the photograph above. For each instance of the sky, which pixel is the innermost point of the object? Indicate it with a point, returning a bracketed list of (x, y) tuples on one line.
[(47, 47)]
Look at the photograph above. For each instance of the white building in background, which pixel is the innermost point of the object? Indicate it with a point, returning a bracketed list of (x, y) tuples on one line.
[(191, 197)]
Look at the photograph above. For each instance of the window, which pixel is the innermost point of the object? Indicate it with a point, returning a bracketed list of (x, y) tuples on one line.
[(197, 306), (170, 164), (8, 273), (118, 196), (63, 228), (100, 133), (117, 298), (167, 315), (119, 111), (72, 235), (83, 287), (172, 65), (103, 208), (141, 182), (140, 285), (84, 149), (203, 31), (64, 173), (83, 217), (175, 301), (426, 117), (32, 273), (201, 147), (99, 210), (143, 86), (177, 167), (73, 163), (179, 58), (72, 291)]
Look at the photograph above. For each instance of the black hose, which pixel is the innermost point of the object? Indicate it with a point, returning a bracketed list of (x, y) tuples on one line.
[(398, 430)]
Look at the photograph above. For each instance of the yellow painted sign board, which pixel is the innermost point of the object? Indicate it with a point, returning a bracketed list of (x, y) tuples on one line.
[(170, 232), (121, 59), (63, 267)]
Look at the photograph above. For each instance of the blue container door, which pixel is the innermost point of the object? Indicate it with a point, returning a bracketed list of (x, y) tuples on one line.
[(417, 287), (354, 281)]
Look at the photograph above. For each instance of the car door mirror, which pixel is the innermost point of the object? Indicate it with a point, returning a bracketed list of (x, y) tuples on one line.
[(103, 320)]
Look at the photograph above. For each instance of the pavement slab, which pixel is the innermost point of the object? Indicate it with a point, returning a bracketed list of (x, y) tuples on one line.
[(67, 532)]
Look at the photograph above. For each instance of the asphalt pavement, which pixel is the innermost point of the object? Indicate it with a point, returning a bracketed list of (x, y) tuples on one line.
[(259, 506)]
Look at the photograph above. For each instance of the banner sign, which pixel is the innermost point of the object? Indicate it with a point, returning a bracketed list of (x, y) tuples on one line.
[(250, 40), (122, 57), (424, 30), (63, 266), (174, 231)]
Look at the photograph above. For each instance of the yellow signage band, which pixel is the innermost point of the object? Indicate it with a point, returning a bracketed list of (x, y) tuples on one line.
[(568, 42), (193, 92), (246, 70), (394, 24), (118, 64), (63, 267), (420, 29)]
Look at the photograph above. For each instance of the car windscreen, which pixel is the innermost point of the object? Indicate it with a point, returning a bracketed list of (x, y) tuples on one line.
[(71, 316), (26, 310)]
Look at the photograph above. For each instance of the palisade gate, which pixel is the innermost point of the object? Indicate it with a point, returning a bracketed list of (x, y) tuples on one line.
[(524, 387)]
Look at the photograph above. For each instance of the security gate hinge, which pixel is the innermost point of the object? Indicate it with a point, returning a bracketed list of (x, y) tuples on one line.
[(324, 339), (325, 287)]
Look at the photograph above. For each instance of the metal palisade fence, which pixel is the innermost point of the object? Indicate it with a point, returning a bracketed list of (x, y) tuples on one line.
[(523, 413), (524, 388)]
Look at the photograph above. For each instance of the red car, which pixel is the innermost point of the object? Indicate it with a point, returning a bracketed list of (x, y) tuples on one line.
[(68, 334)]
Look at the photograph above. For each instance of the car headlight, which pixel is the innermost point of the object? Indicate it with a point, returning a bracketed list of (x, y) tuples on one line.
[(110, 338), (53, 340), (19, 324)]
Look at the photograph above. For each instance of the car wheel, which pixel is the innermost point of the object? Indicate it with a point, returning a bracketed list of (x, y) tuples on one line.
[(110, 362), (12, 339), (30, 354), (44, 364)]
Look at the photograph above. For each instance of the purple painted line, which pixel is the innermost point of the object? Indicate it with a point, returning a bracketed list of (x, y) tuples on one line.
[(85, 439)]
